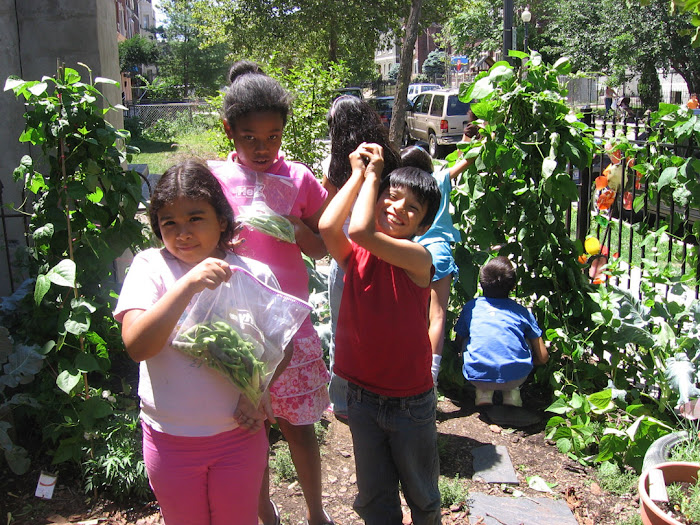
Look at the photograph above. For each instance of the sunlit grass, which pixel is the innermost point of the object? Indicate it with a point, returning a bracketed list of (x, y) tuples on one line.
[(159, 155)]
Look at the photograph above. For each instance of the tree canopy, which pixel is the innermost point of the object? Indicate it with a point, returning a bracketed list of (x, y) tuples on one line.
[(136, 51), (186, 62), (611, 37), (331, 31)]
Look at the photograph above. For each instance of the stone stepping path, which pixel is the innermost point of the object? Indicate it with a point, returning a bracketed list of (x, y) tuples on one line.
[(492, 464), (512, 417), (495, 510)]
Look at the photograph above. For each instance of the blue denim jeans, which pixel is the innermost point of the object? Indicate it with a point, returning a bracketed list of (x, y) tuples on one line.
[(395, 441), (338, 387)]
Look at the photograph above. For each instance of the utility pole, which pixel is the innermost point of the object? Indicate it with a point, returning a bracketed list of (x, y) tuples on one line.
[(507, 28)]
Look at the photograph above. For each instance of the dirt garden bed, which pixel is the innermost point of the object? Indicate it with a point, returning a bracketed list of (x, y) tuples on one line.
[(461, 428)]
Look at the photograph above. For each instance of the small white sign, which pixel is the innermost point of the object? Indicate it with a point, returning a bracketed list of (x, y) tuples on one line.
[(47, 482)]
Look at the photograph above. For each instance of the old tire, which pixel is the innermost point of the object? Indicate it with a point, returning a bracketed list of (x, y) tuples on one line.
[(660, 450)]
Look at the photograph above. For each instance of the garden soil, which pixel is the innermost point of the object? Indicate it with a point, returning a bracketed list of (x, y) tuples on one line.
[(461, 428)]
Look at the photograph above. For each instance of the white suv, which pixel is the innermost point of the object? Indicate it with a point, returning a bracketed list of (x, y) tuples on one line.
[(416, 89), (437, 117)]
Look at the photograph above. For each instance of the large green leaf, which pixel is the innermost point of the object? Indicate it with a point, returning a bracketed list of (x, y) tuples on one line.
[(21, 367), (63, 274), (68, 380)]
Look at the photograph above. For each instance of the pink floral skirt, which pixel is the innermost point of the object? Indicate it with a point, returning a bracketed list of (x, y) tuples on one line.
[(300, 393)]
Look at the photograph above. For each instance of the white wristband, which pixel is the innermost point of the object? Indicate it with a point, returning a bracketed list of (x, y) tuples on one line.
[(435, 368)]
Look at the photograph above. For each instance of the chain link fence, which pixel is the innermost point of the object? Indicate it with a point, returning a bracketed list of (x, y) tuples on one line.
[(148, 114)]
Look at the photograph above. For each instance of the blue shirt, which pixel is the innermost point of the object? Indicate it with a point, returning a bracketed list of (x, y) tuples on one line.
[(442, 228), (497, 350)]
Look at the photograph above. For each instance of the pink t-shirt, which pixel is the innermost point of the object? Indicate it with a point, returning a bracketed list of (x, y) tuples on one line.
[(178, 396), (289, 188)]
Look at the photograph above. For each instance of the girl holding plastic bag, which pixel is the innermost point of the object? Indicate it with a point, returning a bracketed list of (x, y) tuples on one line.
[(204, 455), (260, 183)]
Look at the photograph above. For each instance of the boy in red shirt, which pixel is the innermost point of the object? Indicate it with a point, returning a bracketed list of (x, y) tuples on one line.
[(382, 344)]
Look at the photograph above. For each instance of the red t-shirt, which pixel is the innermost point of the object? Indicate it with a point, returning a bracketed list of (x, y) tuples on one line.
[(382, 339)]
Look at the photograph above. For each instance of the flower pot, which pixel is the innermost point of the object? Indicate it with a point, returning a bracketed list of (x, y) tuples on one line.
[(673, 472)]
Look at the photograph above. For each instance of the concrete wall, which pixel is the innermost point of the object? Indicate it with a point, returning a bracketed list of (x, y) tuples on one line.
[(35, 35)]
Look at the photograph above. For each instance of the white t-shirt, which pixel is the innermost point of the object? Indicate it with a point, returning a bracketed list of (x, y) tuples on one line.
[(178, 396)]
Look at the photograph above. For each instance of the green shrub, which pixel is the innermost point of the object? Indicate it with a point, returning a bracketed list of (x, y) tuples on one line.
[(612, 479), (321, 429), (133, 126), (634, 519), (115, 465), (452, 491), (688, 449), (82, 217), (281, 463), (685, 500)]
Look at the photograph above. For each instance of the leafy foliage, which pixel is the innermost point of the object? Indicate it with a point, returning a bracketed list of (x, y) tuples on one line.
[(347, 32), (313, 87), (114, 464), (608, 347), (613, 479), (644, 36), (82, 218), (452, 491), (135, 51), (434, 64), (512, 200), (478, 27), (187, 64)]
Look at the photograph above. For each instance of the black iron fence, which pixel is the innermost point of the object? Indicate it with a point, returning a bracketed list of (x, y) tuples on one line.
[(609, 212)]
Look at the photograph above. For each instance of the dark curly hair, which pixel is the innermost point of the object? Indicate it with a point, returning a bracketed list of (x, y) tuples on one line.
[(497, 278), (351, 122), (253, 91), (193, 180)]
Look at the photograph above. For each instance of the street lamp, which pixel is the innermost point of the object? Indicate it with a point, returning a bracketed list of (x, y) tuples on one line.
[(526, 16)]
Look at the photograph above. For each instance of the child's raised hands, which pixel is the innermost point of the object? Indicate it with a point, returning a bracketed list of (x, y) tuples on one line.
[(209, 273), (369, 158)]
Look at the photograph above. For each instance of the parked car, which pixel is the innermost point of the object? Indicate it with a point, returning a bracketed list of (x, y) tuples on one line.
[(416, 89), (352, 91), (384, 106), (438, 118)]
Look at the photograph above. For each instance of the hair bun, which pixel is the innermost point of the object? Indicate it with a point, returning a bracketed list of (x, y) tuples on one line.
[(243, 67)]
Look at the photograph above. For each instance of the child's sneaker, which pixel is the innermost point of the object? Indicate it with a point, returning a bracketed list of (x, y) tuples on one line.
[(512, 398), (483, 397)]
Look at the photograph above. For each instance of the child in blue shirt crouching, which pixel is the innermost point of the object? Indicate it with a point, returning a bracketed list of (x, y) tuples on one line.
[(503, 340)]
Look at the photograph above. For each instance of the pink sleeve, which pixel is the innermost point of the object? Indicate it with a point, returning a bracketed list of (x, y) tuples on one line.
[(311, 195)]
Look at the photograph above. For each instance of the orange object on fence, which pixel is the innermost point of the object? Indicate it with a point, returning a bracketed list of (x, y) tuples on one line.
[(606, 199)]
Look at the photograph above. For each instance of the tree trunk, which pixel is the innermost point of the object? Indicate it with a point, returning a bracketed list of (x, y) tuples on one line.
[(398, 119), (332, 43)]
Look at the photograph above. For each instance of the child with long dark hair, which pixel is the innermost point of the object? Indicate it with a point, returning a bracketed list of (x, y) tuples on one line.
[(351, 122)]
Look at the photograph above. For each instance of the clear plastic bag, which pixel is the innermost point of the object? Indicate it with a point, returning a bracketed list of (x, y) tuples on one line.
[(241, 329), (259, 216)]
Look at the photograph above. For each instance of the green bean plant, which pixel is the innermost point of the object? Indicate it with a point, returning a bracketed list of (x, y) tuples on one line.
[(608, 347), (81, 207), (514, 199)]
